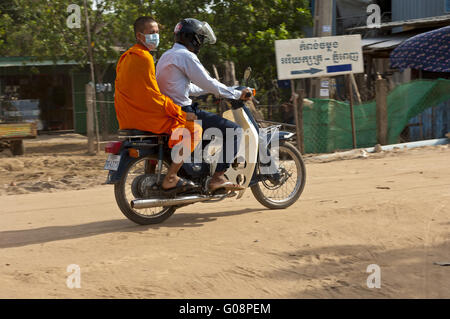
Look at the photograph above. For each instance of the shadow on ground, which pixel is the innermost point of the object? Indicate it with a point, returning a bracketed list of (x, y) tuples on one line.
[(18, 238)]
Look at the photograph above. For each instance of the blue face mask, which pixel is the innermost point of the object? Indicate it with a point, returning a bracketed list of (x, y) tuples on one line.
[(152, 41)]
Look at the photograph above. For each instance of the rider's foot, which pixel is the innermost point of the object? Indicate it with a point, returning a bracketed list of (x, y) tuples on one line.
[(172, 183), (219, 181)]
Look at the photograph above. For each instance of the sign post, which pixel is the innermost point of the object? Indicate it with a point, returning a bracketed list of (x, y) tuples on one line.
[(321, 57), (318, 57), (352, 116)]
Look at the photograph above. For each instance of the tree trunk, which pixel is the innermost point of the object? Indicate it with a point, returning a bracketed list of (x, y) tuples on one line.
[(230, 74), (103, 108)]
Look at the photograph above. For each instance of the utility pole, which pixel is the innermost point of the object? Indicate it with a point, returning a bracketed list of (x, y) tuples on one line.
[(323, 27)]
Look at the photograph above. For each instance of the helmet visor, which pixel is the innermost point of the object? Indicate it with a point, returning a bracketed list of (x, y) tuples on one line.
[(208, 33)]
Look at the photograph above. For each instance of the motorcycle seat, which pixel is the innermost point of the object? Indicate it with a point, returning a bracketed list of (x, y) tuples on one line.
[(138, 134), (134, 132)]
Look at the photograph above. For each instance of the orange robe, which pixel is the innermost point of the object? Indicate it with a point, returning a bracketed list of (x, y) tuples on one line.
[(139, 103)]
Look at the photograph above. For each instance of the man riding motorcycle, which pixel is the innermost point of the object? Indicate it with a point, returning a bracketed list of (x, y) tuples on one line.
[(180, 74), (140, 105)]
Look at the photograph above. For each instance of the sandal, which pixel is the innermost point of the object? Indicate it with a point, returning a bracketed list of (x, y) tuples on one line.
[(228, 186), (181, 186)]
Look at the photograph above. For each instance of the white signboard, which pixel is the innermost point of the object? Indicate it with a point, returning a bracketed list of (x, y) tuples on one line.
[(324, 92), (316, 57)]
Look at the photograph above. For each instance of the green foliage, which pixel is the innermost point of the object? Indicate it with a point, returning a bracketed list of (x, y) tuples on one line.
[(249, 29), (246, 30)]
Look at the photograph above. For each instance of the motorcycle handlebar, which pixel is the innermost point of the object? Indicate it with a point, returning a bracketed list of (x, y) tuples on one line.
[(239, 103)]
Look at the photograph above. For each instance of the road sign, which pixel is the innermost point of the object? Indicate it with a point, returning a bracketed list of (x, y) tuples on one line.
[(316, 57)]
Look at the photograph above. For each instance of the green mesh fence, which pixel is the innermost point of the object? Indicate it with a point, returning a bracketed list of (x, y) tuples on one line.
[(327, 124)]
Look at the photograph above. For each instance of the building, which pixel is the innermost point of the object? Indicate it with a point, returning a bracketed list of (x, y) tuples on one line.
[(408, 18), (51, 92)]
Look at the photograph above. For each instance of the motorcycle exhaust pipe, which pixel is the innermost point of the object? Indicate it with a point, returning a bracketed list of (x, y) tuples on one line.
[(155, 202)]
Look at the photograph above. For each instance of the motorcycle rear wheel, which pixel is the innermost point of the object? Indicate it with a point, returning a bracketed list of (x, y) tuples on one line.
[(124, 195), (268, 194)]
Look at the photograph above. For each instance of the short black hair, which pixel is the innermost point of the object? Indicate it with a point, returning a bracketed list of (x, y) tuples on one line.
[(140, 23)]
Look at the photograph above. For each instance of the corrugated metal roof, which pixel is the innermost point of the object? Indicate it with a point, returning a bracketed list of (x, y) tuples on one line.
[(370, 41), (29, 61), (424, 22), (386, 42)]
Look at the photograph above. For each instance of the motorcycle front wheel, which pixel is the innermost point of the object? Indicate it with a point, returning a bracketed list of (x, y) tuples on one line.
[(276, 195), (124, 194)]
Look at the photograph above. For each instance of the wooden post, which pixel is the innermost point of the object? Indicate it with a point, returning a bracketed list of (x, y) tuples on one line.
[(298, 113), (332, 88), (216, 74), (299, 119), (381, 92), (433, 122), (90, 118), (369, 77), (219, 109), (355, 86), (230, 74), (352, 116)]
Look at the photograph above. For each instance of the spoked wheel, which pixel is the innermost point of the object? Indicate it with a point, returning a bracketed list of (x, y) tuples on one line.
[(285, 191), (125, 191)]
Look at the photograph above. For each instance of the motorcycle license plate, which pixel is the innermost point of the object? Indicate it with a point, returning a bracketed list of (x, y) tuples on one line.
[(112, 162)]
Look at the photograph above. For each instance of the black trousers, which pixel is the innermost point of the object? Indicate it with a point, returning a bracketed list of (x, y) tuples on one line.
[(211, 120)]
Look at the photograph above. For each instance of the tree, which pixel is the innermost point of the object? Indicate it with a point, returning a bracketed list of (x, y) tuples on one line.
[(39, 29), (246, 30)]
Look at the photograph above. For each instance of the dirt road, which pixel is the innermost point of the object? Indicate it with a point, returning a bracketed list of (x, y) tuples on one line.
[(392, 210)]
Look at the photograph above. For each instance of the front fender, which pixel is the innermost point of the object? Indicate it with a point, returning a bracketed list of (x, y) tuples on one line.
[(283, 136)]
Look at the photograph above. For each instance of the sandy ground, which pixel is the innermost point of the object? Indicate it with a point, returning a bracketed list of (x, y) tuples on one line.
[(389, 209), (51, 163)]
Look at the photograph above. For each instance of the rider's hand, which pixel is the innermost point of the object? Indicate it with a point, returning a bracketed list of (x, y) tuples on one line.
[(244, 94), (191, 117)]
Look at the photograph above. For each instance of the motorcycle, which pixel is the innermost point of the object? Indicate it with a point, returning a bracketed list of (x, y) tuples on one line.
[(137, 164)]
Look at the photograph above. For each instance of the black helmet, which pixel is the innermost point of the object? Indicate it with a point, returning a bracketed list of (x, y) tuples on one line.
[(192, 33)]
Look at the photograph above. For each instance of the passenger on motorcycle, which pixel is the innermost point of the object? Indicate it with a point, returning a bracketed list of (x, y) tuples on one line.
[(180, 74), (140, 105)]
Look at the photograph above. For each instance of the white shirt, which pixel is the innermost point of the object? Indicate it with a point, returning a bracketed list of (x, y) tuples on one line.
[(180, 74)]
